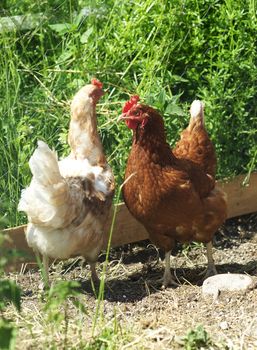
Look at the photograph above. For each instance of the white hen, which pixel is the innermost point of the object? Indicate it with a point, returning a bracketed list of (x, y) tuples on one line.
[(68, 202)]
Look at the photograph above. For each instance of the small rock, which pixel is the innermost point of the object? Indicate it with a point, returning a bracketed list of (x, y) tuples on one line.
[(230, 282), (224, 325), (27, 293)]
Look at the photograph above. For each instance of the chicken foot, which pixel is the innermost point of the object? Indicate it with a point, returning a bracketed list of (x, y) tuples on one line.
[(168, 278), (46, 268), (211, 269), (94, 275)]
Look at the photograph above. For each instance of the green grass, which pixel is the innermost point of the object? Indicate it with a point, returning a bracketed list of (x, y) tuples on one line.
[(169, 52)]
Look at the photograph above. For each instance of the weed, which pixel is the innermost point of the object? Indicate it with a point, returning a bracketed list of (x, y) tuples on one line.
[(57, 306), (196, 339), (168, 52), (108, 339), (9, 293), (100, 298)]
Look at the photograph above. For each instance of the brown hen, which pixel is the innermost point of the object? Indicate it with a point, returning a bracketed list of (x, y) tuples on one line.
[(172, 194)]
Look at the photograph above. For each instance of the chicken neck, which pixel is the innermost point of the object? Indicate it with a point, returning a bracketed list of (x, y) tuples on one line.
[(151, 146), (83, 136)]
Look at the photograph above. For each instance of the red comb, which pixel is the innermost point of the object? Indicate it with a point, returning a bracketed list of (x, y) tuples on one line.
[(129, 104), (97, 83)]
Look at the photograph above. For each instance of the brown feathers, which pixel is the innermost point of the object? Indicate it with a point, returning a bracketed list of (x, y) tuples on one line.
[(172, 196)]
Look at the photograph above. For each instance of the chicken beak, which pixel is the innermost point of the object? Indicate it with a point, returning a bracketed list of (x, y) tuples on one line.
[(123, 116)]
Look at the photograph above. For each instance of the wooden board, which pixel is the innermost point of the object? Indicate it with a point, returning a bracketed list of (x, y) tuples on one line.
[(33, 20), (241, 200)]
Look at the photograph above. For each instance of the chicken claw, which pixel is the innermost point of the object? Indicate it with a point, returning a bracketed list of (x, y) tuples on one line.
[(94, 275), (211, 269), (168, 279)]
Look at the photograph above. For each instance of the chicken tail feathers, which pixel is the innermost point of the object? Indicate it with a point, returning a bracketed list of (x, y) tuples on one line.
[(197, 113), (46, 200), (44, 165)]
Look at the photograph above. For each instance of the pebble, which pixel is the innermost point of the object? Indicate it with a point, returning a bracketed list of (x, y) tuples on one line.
[(223, 325), (229, 282)]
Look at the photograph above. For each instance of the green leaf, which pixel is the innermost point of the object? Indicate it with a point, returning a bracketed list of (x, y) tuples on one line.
[(178, 78), (61, 28), (9, 292), (162, 98), (197, 338), (58, 297), (174, 109), (85, 36), (59, 293), (65, 56), (77, 20), (7, 335)]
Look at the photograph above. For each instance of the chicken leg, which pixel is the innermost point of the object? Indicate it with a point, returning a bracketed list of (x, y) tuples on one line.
[(211, 269), (168, 279), (94, 275), (46, 270)]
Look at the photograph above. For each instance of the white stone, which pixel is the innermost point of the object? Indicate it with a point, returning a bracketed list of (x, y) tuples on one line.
[(226, 282), (223, 325)]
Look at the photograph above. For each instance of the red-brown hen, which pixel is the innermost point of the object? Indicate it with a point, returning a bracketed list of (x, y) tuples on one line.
[(172, 194)]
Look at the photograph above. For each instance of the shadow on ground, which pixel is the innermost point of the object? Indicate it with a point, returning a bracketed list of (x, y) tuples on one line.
[(141, 284)]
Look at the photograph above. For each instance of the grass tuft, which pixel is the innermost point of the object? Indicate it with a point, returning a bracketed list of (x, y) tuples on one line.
[(168, 52)]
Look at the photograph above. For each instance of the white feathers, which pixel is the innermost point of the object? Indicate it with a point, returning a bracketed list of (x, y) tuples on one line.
[(196, 109), (85, 143), (70, 167), (43, 165), (46, 200), (66, 201), (81, 103), (52, 205), (62, 243)]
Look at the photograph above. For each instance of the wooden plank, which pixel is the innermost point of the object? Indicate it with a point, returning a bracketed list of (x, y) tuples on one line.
[(26, 22), (126, 228), (33, 20), (241, 200)]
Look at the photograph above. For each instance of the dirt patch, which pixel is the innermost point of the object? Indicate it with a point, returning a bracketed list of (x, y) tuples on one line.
[(157, 318)]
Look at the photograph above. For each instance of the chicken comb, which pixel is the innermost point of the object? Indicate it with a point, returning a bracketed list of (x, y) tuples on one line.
[(97, 83), (129, 104)]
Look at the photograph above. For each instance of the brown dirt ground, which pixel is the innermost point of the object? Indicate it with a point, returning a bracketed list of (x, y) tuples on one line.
[(157, 318)]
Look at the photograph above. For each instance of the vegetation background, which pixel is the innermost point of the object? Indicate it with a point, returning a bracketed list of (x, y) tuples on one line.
[(168, 52)]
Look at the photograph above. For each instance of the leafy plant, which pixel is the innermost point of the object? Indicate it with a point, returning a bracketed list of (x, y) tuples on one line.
[(57, 297), (8, 335), (196, 339), (169, 53), (107, 340), (9, 293), (57, 305)]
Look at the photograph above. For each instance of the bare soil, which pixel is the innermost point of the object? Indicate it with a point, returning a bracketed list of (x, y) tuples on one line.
[(155, 318)]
